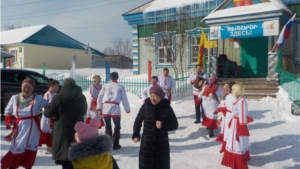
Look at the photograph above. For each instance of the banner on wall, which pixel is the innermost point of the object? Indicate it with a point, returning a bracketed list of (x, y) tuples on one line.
[(242, 3), (267, 28)]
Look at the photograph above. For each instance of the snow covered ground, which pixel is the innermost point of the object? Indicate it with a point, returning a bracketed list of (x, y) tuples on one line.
[(275, 138), (275, 133)]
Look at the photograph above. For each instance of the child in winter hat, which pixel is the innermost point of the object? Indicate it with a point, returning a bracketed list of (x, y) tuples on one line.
[(91, 150)]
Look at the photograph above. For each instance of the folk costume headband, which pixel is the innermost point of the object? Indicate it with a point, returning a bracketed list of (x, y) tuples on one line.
[(28, 81)]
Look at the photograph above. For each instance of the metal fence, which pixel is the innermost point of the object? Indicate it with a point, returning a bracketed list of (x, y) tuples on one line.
[(133, 85), (290, 83)]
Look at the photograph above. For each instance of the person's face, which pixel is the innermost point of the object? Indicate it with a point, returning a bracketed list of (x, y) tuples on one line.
[(154, 99), (54, 88), (153, 81), (225, 90), (166, 73), (26, 89), (97, 81), (198, 69)]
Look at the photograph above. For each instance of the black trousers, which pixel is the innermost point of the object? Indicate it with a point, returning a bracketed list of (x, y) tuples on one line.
[(198, 108), (65, 164), (117, 123)]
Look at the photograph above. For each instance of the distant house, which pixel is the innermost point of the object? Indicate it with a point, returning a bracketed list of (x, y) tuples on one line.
[(35, 45), (115, 61), (236, 26)]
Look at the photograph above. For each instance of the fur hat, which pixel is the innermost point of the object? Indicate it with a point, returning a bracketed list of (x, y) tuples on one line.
[(29, 81), (85, 132), (157, 91)]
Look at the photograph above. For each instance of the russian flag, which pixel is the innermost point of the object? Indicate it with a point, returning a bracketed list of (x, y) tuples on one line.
[(285, 32)]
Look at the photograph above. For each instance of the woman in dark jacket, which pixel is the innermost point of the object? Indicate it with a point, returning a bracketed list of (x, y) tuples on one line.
[(159, 118), (67, 107)]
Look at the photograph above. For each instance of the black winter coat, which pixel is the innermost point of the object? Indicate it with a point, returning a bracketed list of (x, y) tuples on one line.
[(68, 107), (155, 149)]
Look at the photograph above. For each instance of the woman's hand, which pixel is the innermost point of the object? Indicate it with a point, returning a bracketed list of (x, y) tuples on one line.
[(135, 140), (158, 124)]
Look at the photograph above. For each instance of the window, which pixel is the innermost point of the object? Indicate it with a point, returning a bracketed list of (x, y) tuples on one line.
[(15, 52), (194, 49), (39, 80), (164, 50)]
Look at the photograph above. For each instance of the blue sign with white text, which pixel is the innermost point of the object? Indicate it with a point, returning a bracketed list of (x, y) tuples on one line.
[(242, 30)]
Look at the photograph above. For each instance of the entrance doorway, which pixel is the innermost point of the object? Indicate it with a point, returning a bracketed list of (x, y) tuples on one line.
[(254, 57)]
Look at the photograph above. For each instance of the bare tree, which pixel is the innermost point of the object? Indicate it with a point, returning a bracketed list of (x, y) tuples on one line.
[(109, 51), (8, 26), (170, 41), (121, 46)]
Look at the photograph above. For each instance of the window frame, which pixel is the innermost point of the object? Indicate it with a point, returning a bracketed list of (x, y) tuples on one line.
[(15, 58), (192, 34), (158, 47)]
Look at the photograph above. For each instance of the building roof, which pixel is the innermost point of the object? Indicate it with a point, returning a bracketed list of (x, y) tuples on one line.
[(156, 5), (18, 35), (5, 54), (122, 57), (272, 6), (43, 35), (139, 9)]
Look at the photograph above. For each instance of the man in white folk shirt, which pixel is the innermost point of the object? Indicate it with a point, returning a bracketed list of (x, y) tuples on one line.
[(108, 101), (167, 83), (196, 90), (146, 93)]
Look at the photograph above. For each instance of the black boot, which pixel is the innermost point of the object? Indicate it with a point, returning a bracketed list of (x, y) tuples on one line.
[(109, 133), (211, 133), (116, 144)]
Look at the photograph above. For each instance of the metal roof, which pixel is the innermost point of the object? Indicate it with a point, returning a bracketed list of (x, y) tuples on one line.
[(43, 35)]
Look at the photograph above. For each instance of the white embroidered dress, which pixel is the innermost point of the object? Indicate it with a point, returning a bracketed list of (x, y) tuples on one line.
[(26, 131), (45, 121), (93, 95)]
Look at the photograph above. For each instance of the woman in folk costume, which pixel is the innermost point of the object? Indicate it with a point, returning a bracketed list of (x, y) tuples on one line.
[(91, 150), (210, 95), (236, 153), (47, 123), (95, 89), (223, 110), (26, 108)]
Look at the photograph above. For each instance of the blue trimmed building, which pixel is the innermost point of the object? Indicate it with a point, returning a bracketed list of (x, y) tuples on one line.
[(250, 53)]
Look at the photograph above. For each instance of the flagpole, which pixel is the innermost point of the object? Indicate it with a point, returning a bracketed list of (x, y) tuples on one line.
[(273, 48)]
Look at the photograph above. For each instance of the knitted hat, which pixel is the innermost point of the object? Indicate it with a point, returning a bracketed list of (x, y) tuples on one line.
[(85, 132), (157, 91), (29, 81)]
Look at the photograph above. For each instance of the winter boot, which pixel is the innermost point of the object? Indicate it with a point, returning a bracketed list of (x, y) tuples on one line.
[(116, 144), (211, 133), (109, 133)]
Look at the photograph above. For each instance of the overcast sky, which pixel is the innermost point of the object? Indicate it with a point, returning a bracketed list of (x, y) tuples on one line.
[(88, 21)]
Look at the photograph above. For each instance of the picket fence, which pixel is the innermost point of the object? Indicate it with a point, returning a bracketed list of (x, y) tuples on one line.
[(134, 85)]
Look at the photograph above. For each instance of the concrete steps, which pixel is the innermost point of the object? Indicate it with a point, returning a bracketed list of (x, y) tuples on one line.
[(255, 88)]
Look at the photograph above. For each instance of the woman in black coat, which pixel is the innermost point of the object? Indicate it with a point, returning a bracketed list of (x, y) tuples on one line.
[(159, 118), (67, 107)]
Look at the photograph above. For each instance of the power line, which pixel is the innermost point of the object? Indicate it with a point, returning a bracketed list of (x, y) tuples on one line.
[(58, 8), (26, 3), (70, 10)]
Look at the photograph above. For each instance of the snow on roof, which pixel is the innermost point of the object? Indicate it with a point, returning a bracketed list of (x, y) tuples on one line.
[(273, 5), (167, 4), (18, 35)]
